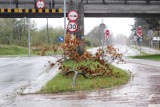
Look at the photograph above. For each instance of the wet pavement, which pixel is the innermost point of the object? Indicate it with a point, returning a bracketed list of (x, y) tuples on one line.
[(143, 90), (19, 73)]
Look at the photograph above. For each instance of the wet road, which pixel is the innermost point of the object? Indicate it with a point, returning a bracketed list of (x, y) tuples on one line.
[(143, 90), (16, 73)]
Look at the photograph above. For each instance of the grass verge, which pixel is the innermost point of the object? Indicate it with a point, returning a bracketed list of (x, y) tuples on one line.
[(138, 49), (13, 50), (150, 57), (61, 83)]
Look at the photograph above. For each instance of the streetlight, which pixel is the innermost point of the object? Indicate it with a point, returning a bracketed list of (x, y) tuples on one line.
[(29, 37), (64, 19)]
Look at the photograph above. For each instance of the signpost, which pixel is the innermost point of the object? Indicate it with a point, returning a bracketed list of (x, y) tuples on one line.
[(40, 4), (140, 38), (73, 15), (102, 27), (72, 26)]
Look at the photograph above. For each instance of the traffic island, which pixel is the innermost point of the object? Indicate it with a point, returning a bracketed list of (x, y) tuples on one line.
[(61, 83)]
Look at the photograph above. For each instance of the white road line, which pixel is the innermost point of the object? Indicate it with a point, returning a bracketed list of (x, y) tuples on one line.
[(150, 97)]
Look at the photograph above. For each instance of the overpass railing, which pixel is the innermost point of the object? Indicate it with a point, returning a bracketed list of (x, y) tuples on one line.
[(123, 1), (30, 4)]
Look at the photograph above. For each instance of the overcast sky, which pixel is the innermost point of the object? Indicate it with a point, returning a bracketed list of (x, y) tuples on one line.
[(115, 25)]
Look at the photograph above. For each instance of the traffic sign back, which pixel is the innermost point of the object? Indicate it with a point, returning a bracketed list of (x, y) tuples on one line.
[(102, 26)]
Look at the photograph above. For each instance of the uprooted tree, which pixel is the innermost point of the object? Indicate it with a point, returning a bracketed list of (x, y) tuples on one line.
[(104, 57)]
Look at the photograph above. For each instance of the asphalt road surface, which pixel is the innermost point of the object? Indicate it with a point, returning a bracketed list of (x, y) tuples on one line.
[(17, 73), (143, 90)]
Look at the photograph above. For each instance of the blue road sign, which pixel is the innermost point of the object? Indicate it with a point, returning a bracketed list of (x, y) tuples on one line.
[(61, 39)]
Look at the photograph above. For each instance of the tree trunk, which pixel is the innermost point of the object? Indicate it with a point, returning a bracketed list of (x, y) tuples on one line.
[(79, 7)]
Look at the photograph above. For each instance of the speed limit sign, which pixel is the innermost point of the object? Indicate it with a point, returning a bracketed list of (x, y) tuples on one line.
[(72, 26), (40, 4)]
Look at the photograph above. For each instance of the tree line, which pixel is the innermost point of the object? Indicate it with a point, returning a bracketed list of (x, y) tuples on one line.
[(14, 31)]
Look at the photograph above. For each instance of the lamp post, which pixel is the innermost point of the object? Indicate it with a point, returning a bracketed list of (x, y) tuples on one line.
[(29, 37), (64, 19)]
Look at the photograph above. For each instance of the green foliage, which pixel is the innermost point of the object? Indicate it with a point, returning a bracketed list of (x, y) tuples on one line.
[(88, 43), (14, 31), (93, 36)]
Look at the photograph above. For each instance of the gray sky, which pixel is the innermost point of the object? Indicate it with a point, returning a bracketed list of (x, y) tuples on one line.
[(115, 25)]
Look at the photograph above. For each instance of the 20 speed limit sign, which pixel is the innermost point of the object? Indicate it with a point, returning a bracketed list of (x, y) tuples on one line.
[(72, 26)]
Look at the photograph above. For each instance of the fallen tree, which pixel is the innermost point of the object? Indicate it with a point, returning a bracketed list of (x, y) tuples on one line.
[(104, 58)]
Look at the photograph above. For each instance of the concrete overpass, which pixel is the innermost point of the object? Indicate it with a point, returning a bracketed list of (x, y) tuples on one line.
[(92, 8)]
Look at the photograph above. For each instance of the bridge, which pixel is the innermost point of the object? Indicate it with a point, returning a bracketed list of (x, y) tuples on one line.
[(92, 8)]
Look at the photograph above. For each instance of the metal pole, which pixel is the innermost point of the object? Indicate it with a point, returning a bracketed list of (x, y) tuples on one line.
[(158, 39), (51, 4), (48, 32), (140, 48), (64, 19), (10, 3), (102, 36), (26, 4), (29, 39)]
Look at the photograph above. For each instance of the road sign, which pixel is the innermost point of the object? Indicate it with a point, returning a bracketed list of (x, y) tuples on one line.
[(150, 33), (61, 39), (107, 33), (102, 26), (40, 4), (135, 38), (139, 31), (72, 26), (73, 15)]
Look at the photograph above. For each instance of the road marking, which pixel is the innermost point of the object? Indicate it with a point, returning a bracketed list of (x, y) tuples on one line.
[(150, 97)]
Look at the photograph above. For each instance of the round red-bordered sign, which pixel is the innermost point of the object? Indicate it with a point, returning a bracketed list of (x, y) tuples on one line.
[(107, 33), (40, 4), (139, 31), (72, 26), (73, 15)]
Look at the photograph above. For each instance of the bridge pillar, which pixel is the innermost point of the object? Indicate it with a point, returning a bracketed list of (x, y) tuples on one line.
[(79, 7)]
